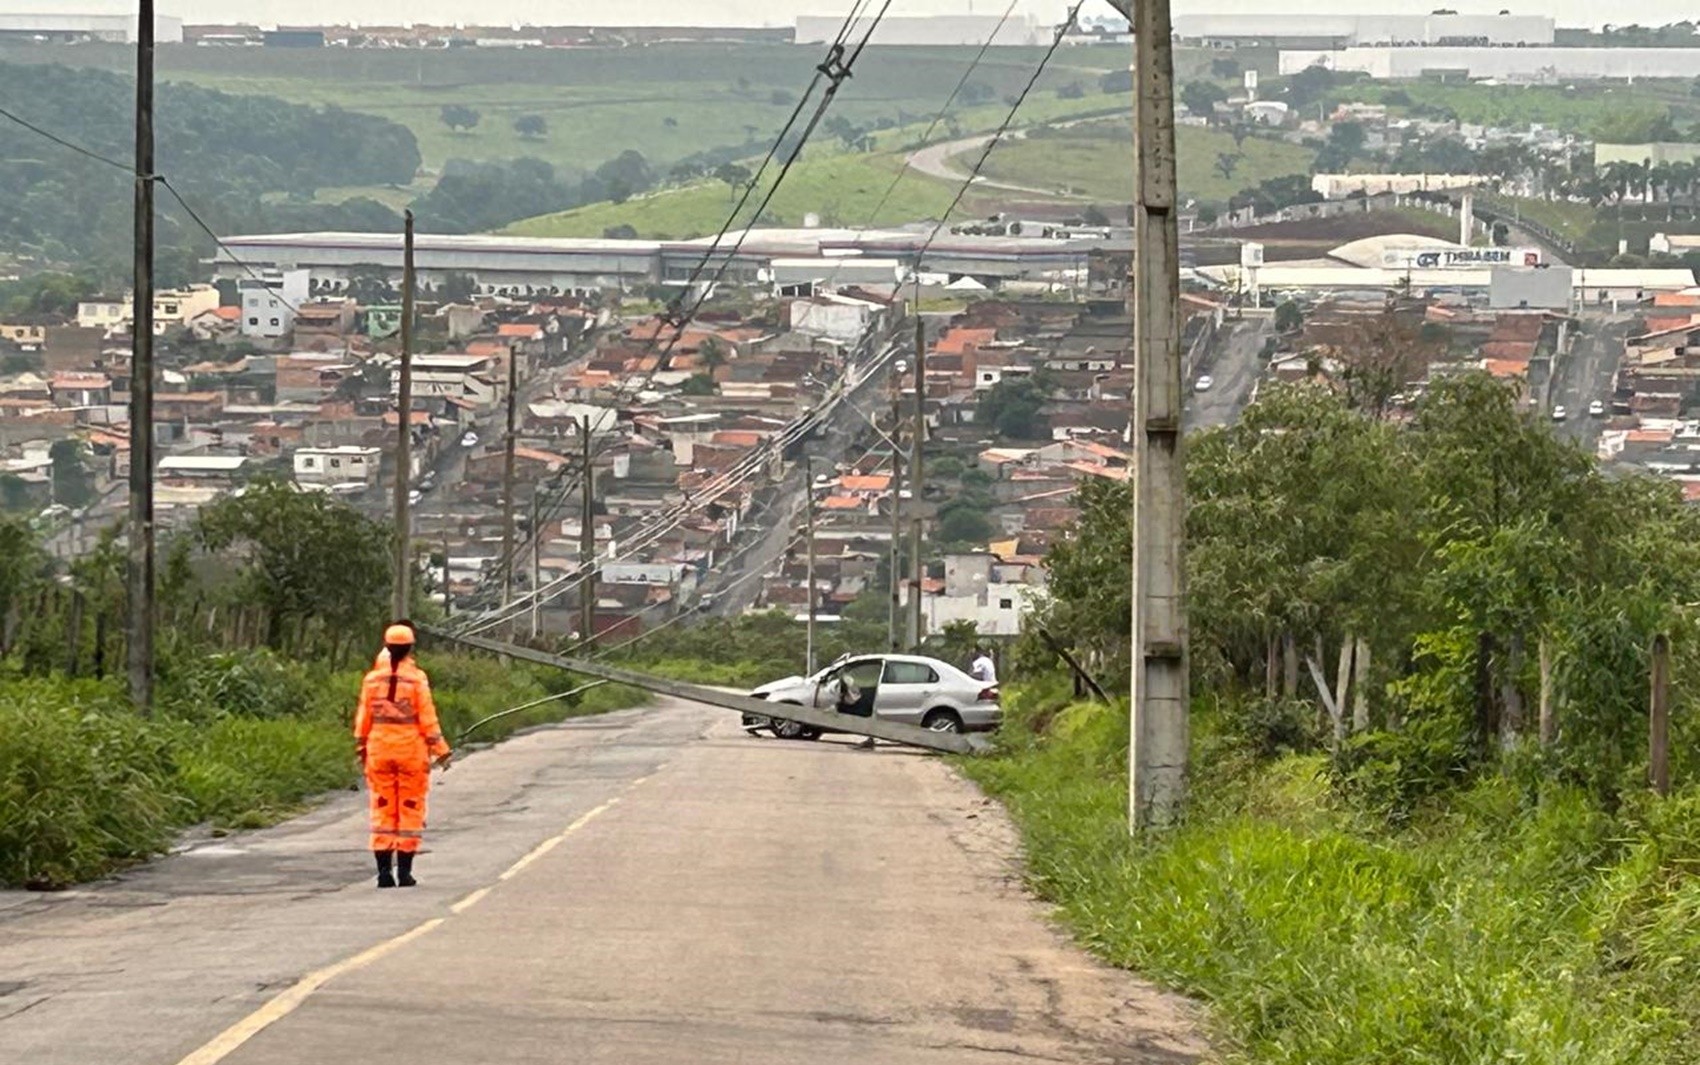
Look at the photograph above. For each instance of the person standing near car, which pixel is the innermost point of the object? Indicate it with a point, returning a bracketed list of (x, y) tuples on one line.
[(984, 669)]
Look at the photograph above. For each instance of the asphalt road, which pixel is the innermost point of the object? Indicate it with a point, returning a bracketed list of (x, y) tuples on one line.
[(651, 886), (1585, 374), (1235, 362)]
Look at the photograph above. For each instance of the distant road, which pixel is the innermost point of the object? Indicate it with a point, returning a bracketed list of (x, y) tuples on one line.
[(653, 887), (935, 160), (1235, 362), (1586, 375)]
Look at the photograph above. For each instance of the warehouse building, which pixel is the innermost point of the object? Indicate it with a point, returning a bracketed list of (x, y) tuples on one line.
[(1527, 65), (117, 29), (1334, 31)]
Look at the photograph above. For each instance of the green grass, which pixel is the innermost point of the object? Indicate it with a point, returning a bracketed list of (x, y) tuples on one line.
[(599, 102), (1503, 928), (841, 189), (1583, 108), (1096, 161), (240, 741)]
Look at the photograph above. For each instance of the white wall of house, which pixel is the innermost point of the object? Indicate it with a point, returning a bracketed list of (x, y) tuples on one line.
[(337, 465), (269, 302)]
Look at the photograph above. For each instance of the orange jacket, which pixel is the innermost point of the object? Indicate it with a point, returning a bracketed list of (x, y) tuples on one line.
[(396, 718)]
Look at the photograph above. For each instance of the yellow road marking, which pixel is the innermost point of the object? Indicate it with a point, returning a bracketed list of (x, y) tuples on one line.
[(470, 901), (285, 1003)]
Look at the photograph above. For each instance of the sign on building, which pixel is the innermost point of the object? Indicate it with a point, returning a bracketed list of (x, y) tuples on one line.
[(1458, 258)]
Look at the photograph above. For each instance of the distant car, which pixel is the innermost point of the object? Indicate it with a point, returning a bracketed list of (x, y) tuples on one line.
[(1203, 384), (414, 497), (469, 439), (1597, 409), (905, 689), (1559, 413)]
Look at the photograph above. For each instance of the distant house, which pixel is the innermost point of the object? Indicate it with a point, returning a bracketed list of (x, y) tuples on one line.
[(269, 302), (104, 312), (80, 389), (200, 468), (337, 468), (324, 320)]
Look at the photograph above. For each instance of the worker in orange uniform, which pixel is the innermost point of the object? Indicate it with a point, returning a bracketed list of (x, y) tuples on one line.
[(398, 739)]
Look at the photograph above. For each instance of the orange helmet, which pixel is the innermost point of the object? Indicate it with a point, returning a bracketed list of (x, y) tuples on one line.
[(398, 635)]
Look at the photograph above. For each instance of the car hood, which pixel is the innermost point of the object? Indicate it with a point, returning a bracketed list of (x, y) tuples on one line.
[(775, 685)]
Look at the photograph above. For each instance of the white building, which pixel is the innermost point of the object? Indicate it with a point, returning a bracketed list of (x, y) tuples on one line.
[(175, 308), (1018, 31), (1341, 186), (345, 468), (104, 312), (1389, 29), (118, 29), (467, 378), (1530, 65), (269, 301), (836, 317)]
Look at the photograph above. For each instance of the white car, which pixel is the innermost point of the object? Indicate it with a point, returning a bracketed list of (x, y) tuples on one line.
[(905, 689), (1597, 409), (469, 439), (1203, 384), (1559, 413)]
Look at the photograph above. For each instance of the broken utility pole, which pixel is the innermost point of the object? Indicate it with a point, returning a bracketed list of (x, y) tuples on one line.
[(587, 544), (140, 571), (404, 432), (1157, 755)]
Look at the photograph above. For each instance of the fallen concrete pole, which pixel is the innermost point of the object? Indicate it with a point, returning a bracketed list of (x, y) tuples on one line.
[(909, 735)]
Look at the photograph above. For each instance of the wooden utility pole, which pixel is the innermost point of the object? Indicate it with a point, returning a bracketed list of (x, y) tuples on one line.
[(1658, 718), (587, 544), (536, 564), (448, 592), (404, 431), (140, 569), (1157, 756), (809, 512), (917, 624), (894, 621), (510, 442)]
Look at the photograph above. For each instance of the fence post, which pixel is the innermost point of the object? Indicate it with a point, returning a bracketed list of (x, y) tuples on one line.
[(1658, 717)]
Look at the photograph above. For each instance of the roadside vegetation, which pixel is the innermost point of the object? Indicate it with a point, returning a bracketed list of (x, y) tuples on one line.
[(1466, 863), (261, 652)]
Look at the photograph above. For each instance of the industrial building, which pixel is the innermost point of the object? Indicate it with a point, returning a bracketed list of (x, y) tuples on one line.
[(1533, 65), (531, 265), (118, 29), (927, 30), (1336, 31)]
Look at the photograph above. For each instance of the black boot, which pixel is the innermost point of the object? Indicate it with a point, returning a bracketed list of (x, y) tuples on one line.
[(385, 878), (404, 869)]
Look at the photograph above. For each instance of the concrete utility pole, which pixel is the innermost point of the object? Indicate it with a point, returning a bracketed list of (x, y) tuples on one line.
[(809, 512), (536, 564), (916, 569), (894, 621), (140, 572), (448, 590), (508, 481), (587, 545), (404, 431), (1157, 758)]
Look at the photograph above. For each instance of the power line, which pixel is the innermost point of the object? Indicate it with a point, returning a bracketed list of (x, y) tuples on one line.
[(165, 182), (926, 136), (63, 143), (1062, 30)]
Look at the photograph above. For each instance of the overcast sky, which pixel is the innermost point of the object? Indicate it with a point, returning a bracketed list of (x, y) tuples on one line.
[(778, 13)]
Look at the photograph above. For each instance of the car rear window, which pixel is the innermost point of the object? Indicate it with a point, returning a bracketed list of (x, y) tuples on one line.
[(909, 673)]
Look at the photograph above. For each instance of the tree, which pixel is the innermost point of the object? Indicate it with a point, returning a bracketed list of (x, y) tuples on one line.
[(978, 92), (1072, 91), (1201, 97), (735, 175), (1225, 69), (1011, 408), (1227, 163), (459, 117), (1384, 356), (623, 231), (712, 354), (964, 523), (319, 568), (459, 288), (531, 126), (697, 385), (1116, 81), (73, 484), (1289, 317)]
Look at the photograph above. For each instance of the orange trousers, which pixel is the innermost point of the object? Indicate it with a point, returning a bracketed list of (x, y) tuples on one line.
[(397, 788)]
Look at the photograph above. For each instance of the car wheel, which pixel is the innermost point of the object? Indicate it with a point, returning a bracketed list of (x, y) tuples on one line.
[(942, 721)]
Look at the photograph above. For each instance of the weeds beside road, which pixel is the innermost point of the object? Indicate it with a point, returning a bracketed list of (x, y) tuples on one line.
[(1509, 923), (241, 740)]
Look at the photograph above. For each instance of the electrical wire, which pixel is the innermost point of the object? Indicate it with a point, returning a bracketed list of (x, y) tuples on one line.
[(63, 143), (165, 183), (926, 136), (833, 67), (1003, 127)]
